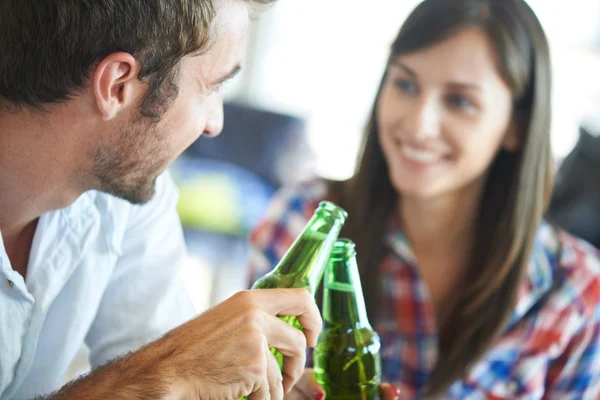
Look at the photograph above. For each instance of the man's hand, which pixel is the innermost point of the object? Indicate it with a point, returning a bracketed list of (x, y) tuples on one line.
[(224, 353), (221, 354), (307, 388)]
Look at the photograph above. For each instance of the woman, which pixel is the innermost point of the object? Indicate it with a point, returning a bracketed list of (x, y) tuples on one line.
[(473, 293)]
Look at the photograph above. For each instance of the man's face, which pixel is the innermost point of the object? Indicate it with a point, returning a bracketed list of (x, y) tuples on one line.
[(127, 165)]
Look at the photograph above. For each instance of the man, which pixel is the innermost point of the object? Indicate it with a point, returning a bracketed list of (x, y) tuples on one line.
[(96, 99)]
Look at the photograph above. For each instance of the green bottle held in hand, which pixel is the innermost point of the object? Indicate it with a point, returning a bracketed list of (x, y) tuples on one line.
[(304, 263), (346, 360)]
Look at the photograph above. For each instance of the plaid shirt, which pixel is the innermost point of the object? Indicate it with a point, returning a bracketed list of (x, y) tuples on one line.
[(551, 349)]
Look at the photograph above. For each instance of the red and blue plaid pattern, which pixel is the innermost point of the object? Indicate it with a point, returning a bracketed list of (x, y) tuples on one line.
[(550, 350)]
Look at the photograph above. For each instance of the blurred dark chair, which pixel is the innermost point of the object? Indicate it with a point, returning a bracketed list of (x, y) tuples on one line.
[(575, 204), (271, 145), (226, 184)]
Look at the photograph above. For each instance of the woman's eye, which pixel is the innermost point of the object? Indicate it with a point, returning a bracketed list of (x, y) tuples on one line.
[(460, 101), (405, 86)]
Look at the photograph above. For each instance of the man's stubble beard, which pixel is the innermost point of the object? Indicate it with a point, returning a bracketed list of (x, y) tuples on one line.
[(129, 167)]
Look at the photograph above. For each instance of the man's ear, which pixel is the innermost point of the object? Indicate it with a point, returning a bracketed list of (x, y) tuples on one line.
[(513, 137), (115, 84)]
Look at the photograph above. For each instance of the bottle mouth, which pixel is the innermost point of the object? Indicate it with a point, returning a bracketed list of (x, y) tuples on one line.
[(328, 207), (343, 249)]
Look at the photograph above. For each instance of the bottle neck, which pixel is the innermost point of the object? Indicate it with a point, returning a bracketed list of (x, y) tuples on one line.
[(343, 301), (307, 258)]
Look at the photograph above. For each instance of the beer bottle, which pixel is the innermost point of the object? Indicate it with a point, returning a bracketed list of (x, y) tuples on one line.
[(346, 360), (303, 264)]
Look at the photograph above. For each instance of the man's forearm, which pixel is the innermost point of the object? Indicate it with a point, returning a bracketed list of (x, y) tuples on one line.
[(139, 375)]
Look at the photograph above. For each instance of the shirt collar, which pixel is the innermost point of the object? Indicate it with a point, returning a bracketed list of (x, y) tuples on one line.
[(541, 272)]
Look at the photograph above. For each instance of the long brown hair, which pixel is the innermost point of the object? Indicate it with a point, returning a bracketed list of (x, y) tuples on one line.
[(515, 194)]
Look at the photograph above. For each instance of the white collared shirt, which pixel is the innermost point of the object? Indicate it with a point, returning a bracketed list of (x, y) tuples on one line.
[(101, 272)]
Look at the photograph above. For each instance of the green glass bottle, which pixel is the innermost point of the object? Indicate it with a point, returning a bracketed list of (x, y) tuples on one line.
[(304, 263), (346, 360)]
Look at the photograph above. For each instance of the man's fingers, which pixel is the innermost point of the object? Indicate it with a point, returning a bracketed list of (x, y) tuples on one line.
[(291, 302), (288, 340), (311, 323), (262, 392), (293, 369), (291, 343), (274, 377)]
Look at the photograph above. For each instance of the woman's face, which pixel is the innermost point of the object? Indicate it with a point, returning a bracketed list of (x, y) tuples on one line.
[(443, 114)]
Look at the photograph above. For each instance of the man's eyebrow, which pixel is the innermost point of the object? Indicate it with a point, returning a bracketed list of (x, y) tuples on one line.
[(236, 70)]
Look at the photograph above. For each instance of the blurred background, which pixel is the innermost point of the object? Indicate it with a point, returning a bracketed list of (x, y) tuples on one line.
[(299, 107)]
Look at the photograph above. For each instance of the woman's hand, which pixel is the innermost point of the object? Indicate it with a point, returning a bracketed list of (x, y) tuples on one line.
[(307, 388)]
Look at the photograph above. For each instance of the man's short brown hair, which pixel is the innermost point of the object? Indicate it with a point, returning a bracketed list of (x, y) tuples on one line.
[(49, 47)]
